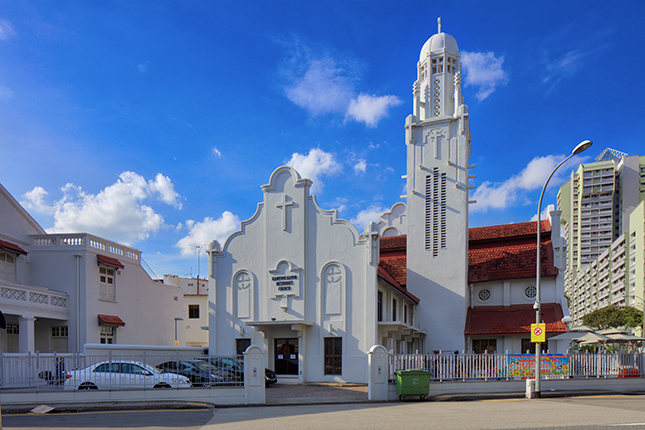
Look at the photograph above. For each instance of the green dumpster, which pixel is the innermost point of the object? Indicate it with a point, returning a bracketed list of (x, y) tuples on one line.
[(412, 382)]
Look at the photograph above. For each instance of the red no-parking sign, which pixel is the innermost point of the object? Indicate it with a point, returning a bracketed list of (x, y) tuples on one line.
[(538, 333)]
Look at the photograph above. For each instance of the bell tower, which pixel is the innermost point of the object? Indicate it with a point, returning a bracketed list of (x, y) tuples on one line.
[(438, 148)]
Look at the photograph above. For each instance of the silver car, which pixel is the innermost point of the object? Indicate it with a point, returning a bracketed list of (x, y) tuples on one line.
[(122, 374)]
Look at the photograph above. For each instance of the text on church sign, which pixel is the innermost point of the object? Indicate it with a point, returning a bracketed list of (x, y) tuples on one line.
[(284, 283)]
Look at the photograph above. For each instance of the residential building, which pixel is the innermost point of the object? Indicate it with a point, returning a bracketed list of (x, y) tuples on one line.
[(59, 292), (195, 292), (597, 204), (616, 276)]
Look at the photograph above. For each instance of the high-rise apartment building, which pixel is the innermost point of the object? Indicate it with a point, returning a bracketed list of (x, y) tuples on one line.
[(596, 205)]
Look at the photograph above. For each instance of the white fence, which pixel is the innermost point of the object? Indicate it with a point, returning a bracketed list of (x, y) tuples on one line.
[(469, 367), (58, 371)]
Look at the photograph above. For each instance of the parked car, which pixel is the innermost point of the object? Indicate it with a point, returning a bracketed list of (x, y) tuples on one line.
[(236, 368), (200, 373), (122, 374)]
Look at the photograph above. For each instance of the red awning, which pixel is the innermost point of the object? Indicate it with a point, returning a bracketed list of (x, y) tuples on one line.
[(7, 246), (110, 320), (109, 261), (512, 320)]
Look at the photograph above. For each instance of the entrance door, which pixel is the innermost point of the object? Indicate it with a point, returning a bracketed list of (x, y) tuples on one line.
[(286, 356)]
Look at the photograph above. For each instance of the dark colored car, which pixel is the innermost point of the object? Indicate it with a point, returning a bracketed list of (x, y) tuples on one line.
[(236, 368), (200, 373)]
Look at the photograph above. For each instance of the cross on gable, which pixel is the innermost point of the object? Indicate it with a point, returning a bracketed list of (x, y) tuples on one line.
[(284, 204)]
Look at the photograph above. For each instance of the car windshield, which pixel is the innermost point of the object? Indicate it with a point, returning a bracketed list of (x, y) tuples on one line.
[(202, 365), (151, 369), (231, 363)]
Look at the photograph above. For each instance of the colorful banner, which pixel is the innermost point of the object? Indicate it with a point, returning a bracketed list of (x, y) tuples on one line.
[(523, 365)]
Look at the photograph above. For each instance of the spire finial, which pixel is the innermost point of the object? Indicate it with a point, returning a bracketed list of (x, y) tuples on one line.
[(439, 25)]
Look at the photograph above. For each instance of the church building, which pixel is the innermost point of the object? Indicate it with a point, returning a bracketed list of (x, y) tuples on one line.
[(316, 294)]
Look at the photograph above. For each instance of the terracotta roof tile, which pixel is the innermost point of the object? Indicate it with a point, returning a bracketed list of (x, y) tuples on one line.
[(512, 320), (391, 243), (390, 280), (110, 320), (495, 252), (109, 261), (498, 232), (12, 248)]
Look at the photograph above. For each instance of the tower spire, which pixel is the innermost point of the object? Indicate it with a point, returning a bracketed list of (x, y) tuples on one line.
[(439, 25)]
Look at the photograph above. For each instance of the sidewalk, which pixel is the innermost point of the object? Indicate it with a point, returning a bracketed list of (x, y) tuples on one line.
[(300, 394), (288, 394)]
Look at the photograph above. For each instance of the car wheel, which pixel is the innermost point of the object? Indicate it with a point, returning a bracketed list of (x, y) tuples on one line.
[(87, 386), (161, 386)]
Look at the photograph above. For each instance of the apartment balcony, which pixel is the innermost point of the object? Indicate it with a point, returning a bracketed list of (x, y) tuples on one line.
[(84, 242), (21, 299)]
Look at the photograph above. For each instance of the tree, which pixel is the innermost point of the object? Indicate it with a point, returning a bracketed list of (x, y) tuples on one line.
[(614, 316)]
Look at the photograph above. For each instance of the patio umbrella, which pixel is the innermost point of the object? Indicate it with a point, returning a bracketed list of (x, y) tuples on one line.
[(611, 330), (582, 327), (591, 338), (581, 336), (625, 337)]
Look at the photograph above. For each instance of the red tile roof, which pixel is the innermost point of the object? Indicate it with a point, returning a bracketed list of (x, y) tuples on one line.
[(495, 252), (110, 320), (512, 320), (12, 248), (383, 274), (508, 252), (393, 257), (504, 231), (109, 261)]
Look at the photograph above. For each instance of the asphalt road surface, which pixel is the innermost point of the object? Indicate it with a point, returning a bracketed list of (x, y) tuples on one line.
[(600, 412)]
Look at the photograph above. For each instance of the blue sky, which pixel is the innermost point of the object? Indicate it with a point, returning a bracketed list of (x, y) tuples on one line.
[(155, 123)]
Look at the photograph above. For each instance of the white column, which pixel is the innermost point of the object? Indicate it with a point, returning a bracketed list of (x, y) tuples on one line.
[(26, 336), (254, 380), (377, 385)]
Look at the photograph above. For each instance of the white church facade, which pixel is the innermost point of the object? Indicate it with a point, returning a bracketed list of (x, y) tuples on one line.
[(316, 294)]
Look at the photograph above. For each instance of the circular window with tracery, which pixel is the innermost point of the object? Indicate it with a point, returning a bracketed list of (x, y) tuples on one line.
[(484, 295), (530, 291)]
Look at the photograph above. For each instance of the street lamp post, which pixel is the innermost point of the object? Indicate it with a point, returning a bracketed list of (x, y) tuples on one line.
[(538, 305)]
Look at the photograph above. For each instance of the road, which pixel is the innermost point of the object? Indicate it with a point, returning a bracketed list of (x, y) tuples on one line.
[(600, 412)]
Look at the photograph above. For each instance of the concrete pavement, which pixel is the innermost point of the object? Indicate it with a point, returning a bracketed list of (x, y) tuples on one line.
[(293, 394)]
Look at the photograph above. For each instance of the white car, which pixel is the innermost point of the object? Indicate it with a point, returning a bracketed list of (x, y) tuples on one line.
[(122, 374)]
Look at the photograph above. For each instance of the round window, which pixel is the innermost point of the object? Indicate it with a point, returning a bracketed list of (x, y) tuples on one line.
[(530, 291), (484, 295)]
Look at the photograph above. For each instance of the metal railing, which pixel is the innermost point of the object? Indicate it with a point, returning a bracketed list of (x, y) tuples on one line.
[(112, 371), (469, 366)]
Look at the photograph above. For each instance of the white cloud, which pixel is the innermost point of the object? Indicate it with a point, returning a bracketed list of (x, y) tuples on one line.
[(116, 213), (512, 191), (360, 166), (34, 200), (6, 30), (217, 153), (324, 87), (313, 165), (166, 190), (324, 82), (565, 66), (202, 233), (370, 109), (371, 214), (483, 70)]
